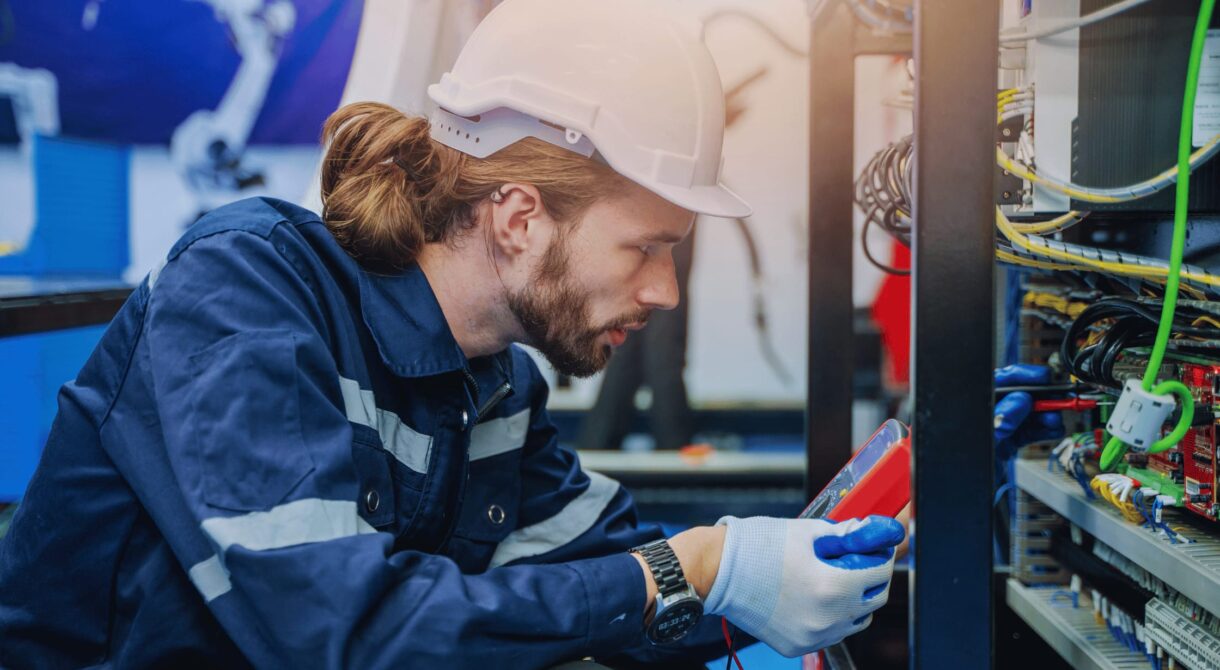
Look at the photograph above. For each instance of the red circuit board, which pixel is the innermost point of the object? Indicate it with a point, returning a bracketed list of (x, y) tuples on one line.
[(1192, 464)]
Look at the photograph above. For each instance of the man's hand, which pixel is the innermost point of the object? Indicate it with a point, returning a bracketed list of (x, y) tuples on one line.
[(800, 585)]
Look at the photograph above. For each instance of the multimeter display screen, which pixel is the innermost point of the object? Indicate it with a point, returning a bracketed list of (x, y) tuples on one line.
[(889, 434)]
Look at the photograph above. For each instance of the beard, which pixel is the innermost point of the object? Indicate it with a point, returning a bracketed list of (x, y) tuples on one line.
[(555, 316)]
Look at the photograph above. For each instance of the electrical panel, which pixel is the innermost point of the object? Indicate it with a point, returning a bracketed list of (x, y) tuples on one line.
[(1187, 471), (1129, 532), (1131, 70)]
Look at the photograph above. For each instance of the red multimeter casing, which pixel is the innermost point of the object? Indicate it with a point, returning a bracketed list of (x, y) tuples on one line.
[(877, 479)]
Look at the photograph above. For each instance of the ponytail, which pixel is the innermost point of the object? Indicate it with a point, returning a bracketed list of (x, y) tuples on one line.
[(388, 188)]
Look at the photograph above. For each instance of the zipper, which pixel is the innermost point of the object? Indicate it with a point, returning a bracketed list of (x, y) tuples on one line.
[(474, 386), (501, 393)]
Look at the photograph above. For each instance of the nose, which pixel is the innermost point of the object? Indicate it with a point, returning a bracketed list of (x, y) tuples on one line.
[(661, 290)]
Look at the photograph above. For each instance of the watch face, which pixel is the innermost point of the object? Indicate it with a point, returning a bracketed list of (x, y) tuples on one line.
[(675, 621)]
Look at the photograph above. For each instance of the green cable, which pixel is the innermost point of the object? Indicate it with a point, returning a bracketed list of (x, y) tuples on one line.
[(1115, 447)]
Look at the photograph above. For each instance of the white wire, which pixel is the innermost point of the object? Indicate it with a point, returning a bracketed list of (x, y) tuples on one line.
[(1087, 19), (1025, 147), (1014, 112)]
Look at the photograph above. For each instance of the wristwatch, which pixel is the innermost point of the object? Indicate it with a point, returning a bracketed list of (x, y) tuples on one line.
[(678, 606)]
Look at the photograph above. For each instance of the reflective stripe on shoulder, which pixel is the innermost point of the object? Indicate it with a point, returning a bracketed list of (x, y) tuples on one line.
[(298, 522), (156, 272), (411, 448), (570, 523), (499, 436), (211, 578)]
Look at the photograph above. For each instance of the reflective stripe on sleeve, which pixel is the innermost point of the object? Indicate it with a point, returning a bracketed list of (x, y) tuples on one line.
[(412, 449), (287, 525), (210, 578), (570, 523), (499, 436)]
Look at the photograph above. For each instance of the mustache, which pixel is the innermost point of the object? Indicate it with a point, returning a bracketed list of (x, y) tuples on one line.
[(640, 317)]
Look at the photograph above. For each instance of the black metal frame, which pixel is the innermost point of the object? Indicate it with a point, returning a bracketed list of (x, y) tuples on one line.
[(831, 101), (951, 625), (956, 61), (836, 39)]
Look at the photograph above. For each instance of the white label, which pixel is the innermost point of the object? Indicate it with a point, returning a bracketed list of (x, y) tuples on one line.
[(1207, 95)]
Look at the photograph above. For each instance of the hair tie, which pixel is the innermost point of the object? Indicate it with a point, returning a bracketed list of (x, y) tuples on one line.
[(406, 167)]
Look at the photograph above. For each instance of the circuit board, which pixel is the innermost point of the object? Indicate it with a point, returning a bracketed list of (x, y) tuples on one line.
[(1188, 471)]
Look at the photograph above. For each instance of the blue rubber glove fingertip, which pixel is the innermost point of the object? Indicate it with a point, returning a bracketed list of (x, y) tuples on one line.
[(889, 530)]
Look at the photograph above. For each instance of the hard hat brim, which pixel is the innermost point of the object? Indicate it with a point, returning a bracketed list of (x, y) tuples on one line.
[(718, 200)]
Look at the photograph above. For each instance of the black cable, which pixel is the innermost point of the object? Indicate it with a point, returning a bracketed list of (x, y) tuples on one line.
[(728, 662), (1125, 324), (883, 193), (770, 355), (869, 254)]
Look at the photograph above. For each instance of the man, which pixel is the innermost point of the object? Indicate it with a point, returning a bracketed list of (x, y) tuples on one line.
[(309, 442)]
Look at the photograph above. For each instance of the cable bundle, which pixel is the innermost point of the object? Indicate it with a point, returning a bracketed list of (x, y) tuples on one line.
[(1113, 325), (883, 193)]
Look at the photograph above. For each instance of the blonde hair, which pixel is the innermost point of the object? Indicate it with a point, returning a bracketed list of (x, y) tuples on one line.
[(388, 188)]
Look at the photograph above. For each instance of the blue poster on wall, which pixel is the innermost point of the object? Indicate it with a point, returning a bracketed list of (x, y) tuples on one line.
[(135, 72)]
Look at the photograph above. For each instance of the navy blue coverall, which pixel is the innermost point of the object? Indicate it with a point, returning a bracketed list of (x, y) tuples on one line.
[(274, 458)]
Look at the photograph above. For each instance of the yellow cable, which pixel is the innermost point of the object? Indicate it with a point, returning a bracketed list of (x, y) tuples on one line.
[(1053, 226), (1056, 302), (1031, 263), (1206, 319), (1128, 509), (1026, 173), (1017, 238)]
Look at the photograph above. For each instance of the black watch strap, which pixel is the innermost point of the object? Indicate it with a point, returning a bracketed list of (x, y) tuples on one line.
[(666, 570)]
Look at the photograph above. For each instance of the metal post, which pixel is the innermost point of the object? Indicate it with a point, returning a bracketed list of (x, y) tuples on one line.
[(956, 65), (831, 101)]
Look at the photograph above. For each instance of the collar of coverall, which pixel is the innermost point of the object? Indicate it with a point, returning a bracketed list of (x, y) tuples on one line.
[(410, 330)]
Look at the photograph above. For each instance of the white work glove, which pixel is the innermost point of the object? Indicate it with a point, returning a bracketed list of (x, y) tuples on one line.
[(799, 585)]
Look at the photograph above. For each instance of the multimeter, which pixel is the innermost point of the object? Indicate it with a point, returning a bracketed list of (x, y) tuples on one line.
[(877, 479)]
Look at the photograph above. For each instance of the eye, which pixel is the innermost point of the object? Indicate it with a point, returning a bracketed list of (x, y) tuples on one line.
[(646, 249)]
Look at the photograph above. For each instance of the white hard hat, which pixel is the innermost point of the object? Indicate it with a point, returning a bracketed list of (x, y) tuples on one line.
[(617, 77)]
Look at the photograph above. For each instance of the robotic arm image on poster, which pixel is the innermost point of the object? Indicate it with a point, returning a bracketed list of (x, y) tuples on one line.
[(35, 100), (34, 96), (207, 147)]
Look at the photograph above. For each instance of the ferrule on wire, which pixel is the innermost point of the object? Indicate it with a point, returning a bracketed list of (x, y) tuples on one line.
[(1139, 415)]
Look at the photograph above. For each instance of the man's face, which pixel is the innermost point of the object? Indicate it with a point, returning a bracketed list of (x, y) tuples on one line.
[(601, 278)]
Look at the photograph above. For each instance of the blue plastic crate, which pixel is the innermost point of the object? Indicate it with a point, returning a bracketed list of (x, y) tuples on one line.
[(34, 367)]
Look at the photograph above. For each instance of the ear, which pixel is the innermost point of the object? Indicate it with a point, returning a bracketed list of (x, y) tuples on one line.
[(518, 219)]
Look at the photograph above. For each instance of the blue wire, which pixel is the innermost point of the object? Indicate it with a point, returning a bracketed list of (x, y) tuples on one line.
[(1077, 470), (999, 493), (1012, 316), (1173, 535), (1144, 511)]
